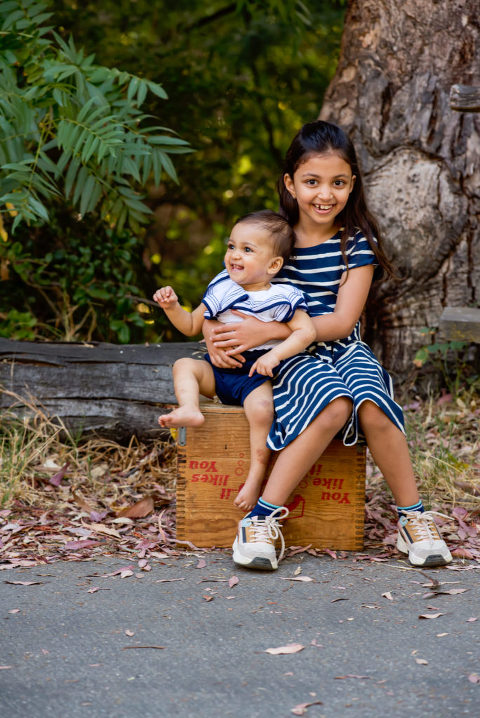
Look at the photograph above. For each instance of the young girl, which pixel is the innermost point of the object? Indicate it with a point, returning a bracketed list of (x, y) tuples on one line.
[(340, 386)]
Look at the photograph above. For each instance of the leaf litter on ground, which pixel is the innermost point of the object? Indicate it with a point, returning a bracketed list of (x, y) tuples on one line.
[(75, 502)]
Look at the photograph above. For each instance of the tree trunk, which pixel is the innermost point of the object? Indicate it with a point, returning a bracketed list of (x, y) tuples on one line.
[(420, 158)]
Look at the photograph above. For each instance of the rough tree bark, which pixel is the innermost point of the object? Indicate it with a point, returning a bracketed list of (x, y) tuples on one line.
[(420, 157)]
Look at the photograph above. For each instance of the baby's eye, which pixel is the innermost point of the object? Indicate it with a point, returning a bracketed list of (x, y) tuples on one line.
[(230, 246), (248, 249)]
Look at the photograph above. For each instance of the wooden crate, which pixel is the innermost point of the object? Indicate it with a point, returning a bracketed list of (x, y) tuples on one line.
[(326, 509)]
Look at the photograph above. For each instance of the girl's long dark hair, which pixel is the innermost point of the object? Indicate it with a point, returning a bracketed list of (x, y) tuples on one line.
[(320, 137)]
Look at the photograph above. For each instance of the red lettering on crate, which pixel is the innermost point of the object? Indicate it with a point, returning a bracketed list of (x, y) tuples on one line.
[(336, 496), (296, 507), (215, 479), (316, 469), (225, 493), (205, 465), (329, 483)]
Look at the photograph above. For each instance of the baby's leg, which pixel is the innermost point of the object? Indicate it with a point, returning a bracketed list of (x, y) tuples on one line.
[(191, 377), (259, 411)]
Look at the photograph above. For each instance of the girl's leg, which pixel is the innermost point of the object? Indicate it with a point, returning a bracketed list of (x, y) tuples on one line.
[(254, 545), (389, 450), (191, 377), (418, 535), (259, 411), (297, 458)]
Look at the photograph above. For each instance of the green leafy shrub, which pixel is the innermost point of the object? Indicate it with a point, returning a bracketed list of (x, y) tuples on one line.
[(76, 152)]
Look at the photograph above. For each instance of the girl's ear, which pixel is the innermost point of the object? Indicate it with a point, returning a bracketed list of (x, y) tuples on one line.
[(352, 182), (290, 187), (275, 265)]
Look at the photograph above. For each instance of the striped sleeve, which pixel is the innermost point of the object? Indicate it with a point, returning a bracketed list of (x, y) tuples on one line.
[(359, 252)]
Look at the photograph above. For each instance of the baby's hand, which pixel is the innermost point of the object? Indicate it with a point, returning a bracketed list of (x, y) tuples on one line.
[(265, 364), (165, 297)]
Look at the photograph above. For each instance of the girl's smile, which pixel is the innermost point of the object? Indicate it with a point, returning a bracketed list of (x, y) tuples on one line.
[(321, 185)]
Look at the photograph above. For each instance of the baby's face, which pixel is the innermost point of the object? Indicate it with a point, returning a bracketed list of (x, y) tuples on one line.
[(249, 255)]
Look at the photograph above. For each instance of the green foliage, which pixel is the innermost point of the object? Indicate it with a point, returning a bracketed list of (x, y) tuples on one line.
[(71, 129), (452, 360), (83, 286), (241, 78), (87, 164)]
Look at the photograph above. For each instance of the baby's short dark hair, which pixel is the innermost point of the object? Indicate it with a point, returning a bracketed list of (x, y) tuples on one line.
[(283, 236)]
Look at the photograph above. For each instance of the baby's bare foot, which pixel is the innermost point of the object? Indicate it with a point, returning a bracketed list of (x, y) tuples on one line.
[(183, 416), (246, 498)]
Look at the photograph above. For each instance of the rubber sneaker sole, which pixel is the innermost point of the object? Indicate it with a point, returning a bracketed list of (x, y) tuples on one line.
[(432, 560), (258, 562)]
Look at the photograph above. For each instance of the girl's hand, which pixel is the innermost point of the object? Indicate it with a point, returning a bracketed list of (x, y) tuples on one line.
[(165, 297), (245, 335), (217, 355), (265, 364)]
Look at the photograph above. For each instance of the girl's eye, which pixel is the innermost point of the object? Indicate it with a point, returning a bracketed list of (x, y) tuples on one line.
[(339, 183), (311, 182)]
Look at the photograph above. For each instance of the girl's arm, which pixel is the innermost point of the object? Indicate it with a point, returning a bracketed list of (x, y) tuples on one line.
[(303, 333), (189, 323), (247, 334), (218, 356), (351, 299), (338, 324)]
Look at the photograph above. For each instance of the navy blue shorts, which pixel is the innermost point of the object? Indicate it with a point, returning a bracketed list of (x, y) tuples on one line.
[(234, 385)]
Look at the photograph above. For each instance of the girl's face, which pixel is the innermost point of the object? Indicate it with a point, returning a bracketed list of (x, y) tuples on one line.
[(321, 185)]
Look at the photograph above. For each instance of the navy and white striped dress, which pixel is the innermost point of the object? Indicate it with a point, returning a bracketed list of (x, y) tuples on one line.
[(308, 382)]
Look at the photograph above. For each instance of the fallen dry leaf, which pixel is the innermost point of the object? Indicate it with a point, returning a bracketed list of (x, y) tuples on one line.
[(471, 620), (332, 554), (421, 661), (232, 581), (56, 479), (351, 675), (207, 598), (387, 595), (201, 563), (301, 709), (473, 677), (297, 571), (431, 615), (159, 648), (140, 510), (122, 572), (304, 579), (25, 583), (129, 633), (4, 668), (102, 529), (289, 648)]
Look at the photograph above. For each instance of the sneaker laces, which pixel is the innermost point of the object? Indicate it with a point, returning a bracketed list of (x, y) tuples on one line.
[(269, 528), (424, 525)]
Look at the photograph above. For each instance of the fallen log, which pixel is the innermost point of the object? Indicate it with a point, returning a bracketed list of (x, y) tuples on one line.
[(114, 391)]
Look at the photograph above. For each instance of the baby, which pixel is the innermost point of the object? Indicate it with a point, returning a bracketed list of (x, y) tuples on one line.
[(259, 245)]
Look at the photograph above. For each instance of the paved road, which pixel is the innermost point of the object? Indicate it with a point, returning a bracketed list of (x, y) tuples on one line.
[(65, 643)]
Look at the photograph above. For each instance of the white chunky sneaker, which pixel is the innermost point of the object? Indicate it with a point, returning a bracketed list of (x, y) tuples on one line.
[(254, 545), (419, 536)]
